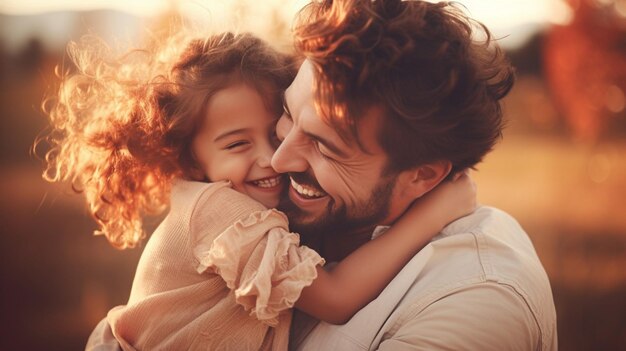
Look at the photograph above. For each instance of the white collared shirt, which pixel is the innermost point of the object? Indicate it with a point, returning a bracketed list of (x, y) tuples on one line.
[(478, 285)]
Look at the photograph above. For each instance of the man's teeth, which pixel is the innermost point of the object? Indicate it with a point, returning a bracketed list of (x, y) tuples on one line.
[(267, 183), (305, 191)]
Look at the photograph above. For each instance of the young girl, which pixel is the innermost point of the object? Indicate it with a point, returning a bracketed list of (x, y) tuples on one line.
[(222, 270)]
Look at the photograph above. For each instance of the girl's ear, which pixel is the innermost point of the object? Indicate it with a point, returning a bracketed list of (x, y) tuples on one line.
[(193, 169), (196, 174), (421, 179)]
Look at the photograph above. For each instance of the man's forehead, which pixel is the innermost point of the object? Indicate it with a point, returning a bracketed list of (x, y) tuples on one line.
[(301, 89), (299, 96)]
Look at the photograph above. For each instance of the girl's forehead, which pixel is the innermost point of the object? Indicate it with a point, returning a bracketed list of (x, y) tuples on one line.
[(236, 107)]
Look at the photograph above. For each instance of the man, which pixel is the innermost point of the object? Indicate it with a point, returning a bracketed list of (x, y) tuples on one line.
[(393, 98)]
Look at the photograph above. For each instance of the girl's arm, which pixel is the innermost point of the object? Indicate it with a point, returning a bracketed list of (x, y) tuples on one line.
[(336, 295)]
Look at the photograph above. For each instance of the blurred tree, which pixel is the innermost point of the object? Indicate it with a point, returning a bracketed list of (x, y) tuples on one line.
[(585, 64), (31, 56), (4, 62), (527, 59)]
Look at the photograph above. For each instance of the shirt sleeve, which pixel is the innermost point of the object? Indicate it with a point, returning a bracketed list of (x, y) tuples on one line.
[(255, 254), (487, 316)]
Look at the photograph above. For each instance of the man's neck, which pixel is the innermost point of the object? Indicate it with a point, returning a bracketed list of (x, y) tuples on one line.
[(336, 246)]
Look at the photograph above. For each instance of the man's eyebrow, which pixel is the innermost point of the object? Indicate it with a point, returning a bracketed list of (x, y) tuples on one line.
[(327, 143), (229, 133)]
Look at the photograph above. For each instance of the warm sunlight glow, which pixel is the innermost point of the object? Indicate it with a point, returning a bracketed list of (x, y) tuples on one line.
[(137, 7), (497, 13), (513, 20), (516, 20)]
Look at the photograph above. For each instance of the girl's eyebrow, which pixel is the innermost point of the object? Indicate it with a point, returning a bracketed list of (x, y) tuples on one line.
[(229, 133)]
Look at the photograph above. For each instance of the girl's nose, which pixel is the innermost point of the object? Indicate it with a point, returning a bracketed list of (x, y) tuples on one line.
[(264, 158)]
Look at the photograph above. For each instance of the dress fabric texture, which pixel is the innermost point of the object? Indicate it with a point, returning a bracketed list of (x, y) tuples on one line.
[(221, 272)]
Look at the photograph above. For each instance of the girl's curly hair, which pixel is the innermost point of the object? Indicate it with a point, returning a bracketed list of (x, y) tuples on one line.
[(122, 127)]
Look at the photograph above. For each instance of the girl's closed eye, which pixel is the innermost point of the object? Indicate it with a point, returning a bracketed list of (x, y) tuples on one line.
[(239, 145)]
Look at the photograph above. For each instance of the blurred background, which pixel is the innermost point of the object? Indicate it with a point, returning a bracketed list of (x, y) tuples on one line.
[(560, 169)]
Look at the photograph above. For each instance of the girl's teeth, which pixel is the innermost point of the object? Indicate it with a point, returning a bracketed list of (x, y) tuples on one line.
[(267, 183)]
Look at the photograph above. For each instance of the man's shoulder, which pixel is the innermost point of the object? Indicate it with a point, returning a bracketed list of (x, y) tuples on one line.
[(489, 244), (485, 220), (475, 254), (486, 246)]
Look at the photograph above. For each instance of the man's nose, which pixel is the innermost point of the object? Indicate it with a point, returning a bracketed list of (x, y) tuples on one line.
[(288, 157)]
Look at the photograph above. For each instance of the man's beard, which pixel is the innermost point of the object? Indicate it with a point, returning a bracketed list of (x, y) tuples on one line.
[(338, 220)]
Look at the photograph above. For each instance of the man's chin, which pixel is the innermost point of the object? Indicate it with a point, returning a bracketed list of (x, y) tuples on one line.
[(333, 220), (308, 224), (332, 223)]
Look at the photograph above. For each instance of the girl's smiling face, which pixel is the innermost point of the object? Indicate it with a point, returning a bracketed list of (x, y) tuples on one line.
[(236, 142)]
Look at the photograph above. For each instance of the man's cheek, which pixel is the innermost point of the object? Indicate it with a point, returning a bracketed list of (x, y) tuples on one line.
[(338, 185), (326, 183)]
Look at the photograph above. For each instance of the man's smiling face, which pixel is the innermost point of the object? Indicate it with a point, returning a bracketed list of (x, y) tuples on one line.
[(335, 186)]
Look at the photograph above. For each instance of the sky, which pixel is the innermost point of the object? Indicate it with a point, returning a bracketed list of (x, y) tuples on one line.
[(513, 20)]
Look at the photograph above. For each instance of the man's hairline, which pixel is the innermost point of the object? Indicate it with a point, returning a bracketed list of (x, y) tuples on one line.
[(381, 115)]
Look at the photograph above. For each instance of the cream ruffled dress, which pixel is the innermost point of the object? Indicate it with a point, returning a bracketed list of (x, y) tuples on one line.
[(221, 272)]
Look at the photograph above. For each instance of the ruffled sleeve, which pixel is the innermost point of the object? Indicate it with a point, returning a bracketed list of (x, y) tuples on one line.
[(262, 262)]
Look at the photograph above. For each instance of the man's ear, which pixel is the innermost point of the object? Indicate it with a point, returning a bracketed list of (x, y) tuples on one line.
[(419, 180)]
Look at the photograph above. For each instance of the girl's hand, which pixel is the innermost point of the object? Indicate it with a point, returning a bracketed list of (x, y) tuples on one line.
[(448, 202)]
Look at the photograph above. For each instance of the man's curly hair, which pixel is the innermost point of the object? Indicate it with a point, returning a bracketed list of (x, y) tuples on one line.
[(437, 75)]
